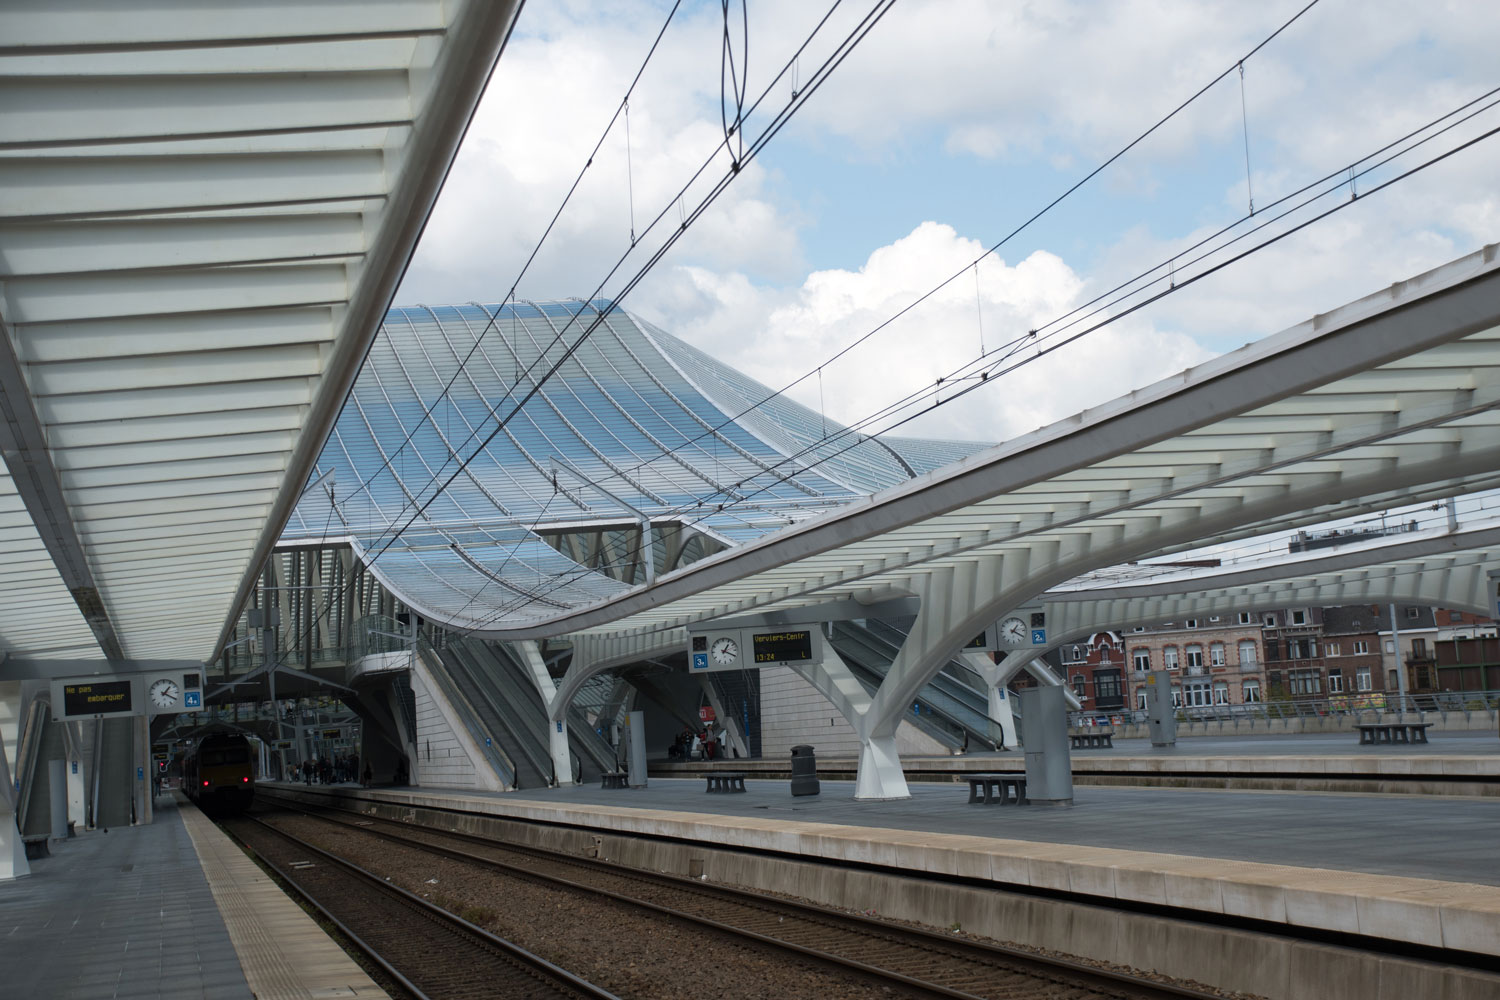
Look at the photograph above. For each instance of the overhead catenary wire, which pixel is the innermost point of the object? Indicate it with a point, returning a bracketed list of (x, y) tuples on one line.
[(831, 63), (825, 70), (974, 384), (1039, 214)]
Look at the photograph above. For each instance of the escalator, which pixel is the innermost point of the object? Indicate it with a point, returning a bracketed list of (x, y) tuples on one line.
[(114, 765), (953, 706), (500, 688)]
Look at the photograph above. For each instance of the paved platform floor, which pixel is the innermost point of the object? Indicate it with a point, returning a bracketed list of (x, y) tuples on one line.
[(1448, 838), (173, 910), (121, 914)]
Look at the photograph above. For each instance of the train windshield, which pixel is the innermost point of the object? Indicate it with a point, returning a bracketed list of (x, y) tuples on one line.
[(232, 755)]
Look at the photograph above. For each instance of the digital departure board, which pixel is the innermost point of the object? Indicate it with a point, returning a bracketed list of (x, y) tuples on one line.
[(782, 647), (980, 641), (97, 698)]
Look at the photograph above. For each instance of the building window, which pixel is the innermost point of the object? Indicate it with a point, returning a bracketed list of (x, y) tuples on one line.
[(1361, 646), (1244, 618), (1269, 619), (1250, 692), (1140, 698), (1305, 682), (1298, 616), (1192, 623), (1077, 655), (1419, 648), (1139, 628), (1412, 614), (1455, 616), (1176, 696), (1221, 692), (1078, 685), (1393, 682), (1330, 649), (1198, 694), (1362, 679), (1335, 682), (1247, 653), (1107, 686), (1195, 656), (1216, 654), (1169, 657), (1142, 659)]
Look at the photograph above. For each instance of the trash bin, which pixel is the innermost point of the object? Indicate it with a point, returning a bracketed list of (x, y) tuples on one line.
[(804, 770)]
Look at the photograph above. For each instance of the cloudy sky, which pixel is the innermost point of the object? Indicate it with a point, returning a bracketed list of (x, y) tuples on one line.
[(950, 125)]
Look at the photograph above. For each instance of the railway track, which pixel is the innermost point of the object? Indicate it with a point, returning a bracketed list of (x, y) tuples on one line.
[(416, 943), (910, 959)]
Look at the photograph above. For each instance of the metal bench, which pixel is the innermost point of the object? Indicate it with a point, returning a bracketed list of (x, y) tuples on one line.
[(1092, 741), (614, 779), (726, 781), (1371, 733), (997, 789)]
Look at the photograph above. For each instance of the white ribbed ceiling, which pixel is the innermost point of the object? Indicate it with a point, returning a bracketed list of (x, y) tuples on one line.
[(204, 210)]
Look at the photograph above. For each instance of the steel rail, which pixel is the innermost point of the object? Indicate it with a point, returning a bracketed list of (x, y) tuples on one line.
[(508, 950), (1053, 970)]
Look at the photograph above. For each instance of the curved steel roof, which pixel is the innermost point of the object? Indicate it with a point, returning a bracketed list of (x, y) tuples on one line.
[(637, 424), (1392, 399), (204, 211)]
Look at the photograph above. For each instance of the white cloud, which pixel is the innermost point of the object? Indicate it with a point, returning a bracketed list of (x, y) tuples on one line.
[(779, 337), (1054, 86)]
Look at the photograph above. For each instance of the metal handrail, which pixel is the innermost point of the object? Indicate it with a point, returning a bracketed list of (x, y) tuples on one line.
[(499, 760), (1357, 705)]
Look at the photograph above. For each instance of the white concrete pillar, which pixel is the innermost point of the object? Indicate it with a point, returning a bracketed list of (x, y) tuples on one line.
[(557, 728), (13, 862), (996, 677)]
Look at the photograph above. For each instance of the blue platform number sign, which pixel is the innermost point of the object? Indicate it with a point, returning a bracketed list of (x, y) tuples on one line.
[(487, 742), (559, 727), (700, 661), (1039, 637), (75, 766), (193, 699), (140, 774)]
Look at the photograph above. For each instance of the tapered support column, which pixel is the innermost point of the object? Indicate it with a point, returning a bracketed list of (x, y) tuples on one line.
[(880, 776), (996, 677), (557, 728), (13, 862)]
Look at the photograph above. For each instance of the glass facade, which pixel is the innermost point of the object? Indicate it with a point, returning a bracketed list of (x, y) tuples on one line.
[(635, 426)]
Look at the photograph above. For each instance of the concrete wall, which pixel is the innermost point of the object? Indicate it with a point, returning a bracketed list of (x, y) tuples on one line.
[(792, 711), (446, 757)]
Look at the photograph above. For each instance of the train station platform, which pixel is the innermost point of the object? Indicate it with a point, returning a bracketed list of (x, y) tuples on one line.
[(1460, 763), (171, 910), (1418, 873)]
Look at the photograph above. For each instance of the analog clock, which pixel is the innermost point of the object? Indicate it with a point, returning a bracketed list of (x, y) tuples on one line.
[(724, 650), (1013, 632), (164, 693)]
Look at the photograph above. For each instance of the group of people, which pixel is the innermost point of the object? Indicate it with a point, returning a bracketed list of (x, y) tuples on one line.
[(705, 744), (333, 770)]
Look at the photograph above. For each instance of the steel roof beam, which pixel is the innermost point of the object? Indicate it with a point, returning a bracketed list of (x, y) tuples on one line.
[(24, 445)]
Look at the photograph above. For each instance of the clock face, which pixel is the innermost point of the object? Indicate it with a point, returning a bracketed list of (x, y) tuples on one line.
[(1013, 630), (724, 650), (164, 693)]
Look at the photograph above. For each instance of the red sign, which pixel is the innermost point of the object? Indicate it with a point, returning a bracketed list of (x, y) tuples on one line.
[(706, 713)]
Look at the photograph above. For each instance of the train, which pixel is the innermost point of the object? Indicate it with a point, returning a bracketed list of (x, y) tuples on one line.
[(219, 773)]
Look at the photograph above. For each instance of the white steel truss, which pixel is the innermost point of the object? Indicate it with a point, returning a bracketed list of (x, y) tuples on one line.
[(1392, 399)]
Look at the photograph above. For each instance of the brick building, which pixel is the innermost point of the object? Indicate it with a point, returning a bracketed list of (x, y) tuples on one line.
[(1095, 669), (1213, 660)]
